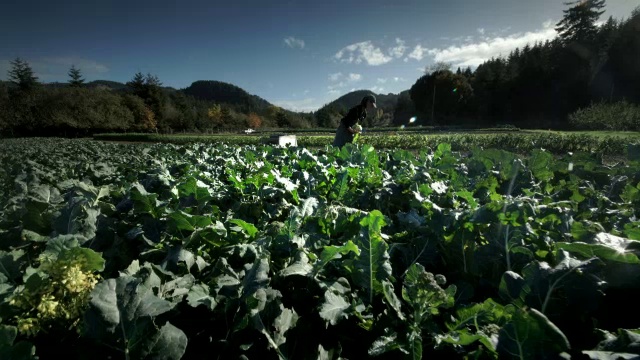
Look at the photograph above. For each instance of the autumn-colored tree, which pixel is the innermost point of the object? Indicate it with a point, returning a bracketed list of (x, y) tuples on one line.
[(148, 119), (215, 115), (254, 121)]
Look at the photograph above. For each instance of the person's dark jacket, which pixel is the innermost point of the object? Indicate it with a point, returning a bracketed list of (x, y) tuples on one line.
[(357, 113)]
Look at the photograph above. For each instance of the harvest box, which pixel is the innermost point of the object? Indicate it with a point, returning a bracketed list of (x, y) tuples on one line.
[(282, 140)]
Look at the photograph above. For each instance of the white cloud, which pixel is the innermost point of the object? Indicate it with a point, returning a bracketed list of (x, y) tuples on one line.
[(481, 31), (335, 77), (363, 51), (334, 92), (306, 105), (382, 81), (293, 43), (418, 52), (338, 80), (355, 77), (474, 54), (545, 25), (398, 79), (377, 89), (339, 85), (399, 50), (85, 65)]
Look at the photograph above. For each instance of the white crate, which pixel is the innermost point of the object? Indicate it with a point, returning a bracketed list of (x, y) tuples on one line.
[(283, 140)]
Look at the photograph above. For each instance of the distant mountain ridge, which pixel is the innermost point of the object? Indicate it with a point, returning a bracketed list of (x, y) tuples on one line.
[(345, 102), (226, 93)]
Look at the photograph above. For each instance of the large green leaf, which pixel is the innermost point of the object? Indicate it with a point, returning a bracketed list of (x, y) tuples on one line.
[(299, 267), (606, 247), (285, 321), (333, 252), (19, 351), (248, 230), (181, 221), (392, 299), (122, 312), (124, 300), (334, 308), (214, 234), (585, 230), (331, 354), (477, 323), (199, 294), (609, 355), (631, 194), (341, 186), (372, 266), (168, 343), (543, 281), (257, 277), (530, 335), (91, 193), (540, 164), (624, 341), (11, 263), (39, 206), (513, 288), (193, 192), (91, 260), (299, 213), (144, 202), (7, 335), (632, 230)]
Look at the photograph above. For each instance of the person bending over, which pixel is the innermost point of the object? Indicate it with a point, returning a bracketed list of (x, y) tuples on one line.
[(346, 130)]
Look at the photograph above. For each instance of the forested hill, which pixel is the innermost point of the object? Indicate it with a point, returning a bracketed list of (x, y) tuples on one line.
[(385, 102), (221, 92)]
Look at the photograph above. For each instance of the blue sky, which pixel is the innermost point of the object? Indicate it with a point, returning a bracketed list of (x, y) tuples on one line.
[(296, 54)]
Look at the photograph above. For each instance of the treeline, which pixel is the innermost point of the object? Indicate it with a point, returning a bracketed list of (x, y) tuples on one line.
[(587, 66), (28, 107)]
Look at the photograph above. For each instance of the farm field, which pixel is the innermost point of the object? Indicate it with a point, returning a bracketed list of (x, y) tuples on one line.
[(400, 246), (602, 143)]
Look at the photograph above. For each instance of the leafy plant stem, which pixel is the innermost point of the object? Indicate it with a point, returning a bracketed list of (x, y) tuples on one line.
[(126, 342), (506, 248)]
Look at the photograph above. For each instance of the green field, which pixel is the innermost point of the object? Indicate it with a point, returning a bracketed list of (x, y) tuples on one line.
[(161, 250), (602, 143)]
